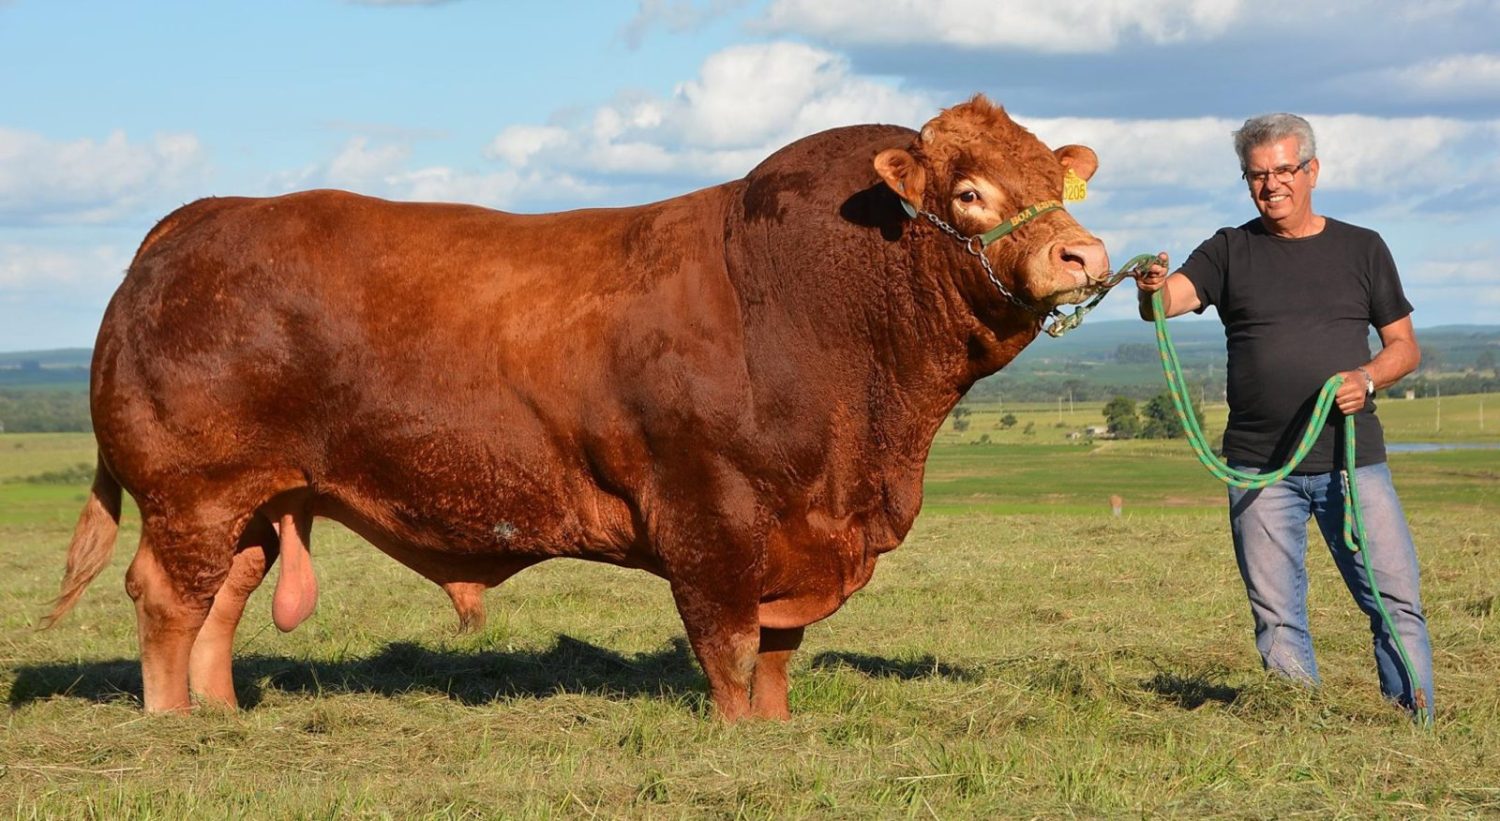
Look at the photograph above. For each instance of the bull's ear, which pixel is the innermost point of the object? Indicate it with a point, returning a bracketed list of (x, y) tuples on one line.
[(904, 175), (1080, 158)]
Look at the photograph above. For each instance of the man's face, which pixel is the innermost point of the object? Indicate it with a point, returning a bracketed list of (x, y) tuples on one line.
[(1283, 202)]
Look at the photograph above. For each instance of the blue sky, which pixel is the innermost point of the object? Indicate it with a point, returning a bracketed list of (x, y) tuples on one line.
[(112, 114)]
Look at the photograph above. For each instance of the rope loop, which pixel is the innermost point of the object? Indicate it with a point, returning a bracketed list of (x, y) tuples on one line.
[(1354, 525)]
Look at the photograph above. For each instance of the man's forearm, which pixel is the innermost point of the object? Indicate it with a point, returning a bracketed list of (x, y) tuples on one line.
[(1394, 362)]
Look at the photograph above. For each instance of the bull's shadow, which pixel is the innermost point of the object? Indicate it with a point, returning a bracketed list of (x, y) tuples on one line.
[(480, 677), (570, 666), (904, 669), (470, 677)]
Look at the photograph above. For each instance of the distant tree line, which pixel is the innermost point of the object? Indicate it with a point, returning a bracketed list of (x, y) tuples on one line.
[(1156, 420), (1452, 384), (1138, 352), (60, 410), (32, 372), (1029, 388)]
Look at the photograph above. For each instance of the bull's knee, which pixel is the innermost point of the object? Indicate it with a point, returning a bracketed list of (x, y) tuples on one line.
[(728, 659)]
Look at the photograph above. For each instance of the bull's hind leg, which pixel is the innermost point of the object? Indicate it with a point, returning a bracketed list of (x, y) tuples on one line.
[(211, 666), (768, 698), (178, 567)]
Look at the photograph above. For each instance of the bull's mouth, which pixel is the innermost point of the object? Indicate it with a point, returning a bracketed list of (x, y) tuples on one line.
[(1086, 292), (1077, 286), (1091, 285)]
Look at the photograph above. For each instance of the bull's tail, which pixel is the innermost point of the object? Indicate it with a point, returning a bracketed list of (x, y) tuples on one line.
[(93, 542)]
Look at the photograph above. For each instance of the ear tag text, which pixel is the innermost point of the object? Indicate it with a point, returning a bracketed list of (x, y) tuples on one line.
[(1074, 187)]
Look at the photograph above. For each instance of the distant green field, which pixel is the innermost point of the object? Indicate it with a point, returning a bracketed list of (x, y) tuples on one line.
[(23, 455), (1468, 418), (1024, 654)]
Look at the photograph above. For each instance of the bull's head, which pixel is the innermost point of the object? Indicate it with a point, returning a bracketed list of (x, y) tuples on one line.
[(974, 168)]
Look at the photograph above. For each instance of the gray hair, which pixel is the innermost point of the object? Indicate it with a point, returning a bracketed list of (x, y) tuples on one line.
[(1270, 128)]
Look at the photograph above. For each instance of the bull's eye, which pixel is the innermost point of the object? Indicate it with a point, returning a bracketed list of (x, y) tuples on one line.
[(968, 196)]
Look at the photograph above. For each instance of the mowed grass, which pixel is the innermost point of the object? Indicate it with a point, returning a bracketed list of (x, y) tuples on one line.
[(1025, 653)]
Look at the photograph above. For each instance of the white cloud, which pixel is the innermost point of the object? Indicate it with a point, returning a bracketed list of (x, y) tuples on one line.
[(86, 269), (1381, 157), (1385, 157), (504, 189), (1473, 273), (518, 144), (677, 16), (1452, 77), (368, 167), (746, 102), (1470, 282), (87, 181), (1191, 153), (359, 163), (1060, 26)]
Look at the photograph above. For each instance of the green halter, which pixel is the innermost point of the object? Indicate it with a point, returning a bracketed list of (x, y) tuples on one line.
[(1027, 215)]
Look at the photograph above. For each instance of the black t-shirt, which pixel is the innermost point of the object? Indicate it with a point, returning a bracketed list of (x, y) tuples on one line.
[(1295, 312)]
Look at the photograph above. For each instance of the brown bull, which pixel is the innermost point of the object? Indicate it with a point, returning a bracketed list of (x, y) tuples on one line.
[(735, 389)]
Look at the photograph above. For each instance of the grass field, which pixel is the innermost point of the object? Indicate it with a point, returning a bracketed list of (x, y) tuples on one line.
[(1025, 653)]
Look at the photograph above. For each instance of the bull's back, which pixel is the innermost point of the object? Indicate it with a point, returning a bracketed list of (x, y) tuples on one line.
[(443, 348)]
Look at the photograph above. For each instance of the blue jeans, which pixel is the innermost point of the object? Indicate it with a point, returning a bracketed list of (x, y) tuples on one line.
[(1270, 544)]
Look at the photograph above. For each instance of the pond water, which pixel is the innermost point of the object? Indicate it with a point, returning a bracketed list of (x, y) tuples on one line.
[(1428, 447)]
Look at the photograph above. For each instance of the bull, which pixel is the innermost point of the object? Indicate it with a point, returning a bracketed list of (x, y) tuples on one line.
[(735, 389)]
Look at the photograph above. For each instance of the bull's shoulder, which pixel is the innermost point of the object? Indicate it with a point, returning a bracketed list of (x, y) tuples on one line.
[(812, 181), (837, 152)]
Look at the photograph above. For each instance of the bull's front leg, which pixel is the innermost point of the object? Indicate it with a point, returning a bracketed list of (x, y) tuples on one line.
[(768, 698), (713, 555), (723, 628)]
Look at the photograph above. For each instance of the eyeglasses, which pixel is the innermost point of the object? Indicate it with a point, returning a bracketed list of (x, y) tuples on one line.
[(1283, 174)]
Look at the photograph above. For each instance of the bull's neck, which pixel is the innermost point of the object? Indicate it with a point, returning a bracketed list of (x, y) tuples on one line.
[(857, 359), (942, 327), (983, 328)]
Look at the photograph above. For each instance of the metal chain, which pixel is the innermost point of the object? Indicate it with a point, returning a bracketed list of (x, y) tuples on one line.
[(1061, 322), (975, 246)]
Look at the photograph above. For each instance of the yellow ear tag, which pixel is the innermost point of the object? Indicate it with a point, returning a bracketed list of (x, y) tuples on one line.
[(1074, 187)]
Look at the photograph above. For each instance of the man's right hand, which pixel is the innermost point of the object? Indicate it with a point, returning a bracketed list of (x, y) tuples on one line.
[(1177, 293), (1154, 277)]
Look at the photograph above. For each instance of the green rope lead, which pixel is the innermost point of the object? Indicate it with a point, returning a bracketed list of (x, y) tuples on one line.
[(1354, 525)]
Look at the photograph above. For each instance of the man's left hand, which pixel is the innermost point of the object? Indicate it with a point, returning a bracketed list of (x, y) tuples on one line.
[(1352, 394)]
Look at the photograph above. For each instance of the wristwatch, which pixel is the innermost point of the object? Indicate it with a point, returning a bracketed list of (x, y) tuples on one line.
[(1369, 381)]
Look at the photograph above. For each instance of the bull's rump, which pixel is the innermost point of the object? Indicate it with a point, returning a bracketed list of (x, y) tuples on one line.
[(464, 377)]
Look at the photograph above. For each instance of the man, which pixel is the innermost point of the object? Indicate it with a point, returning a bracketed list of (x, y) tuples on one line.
[(1297, 293)]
